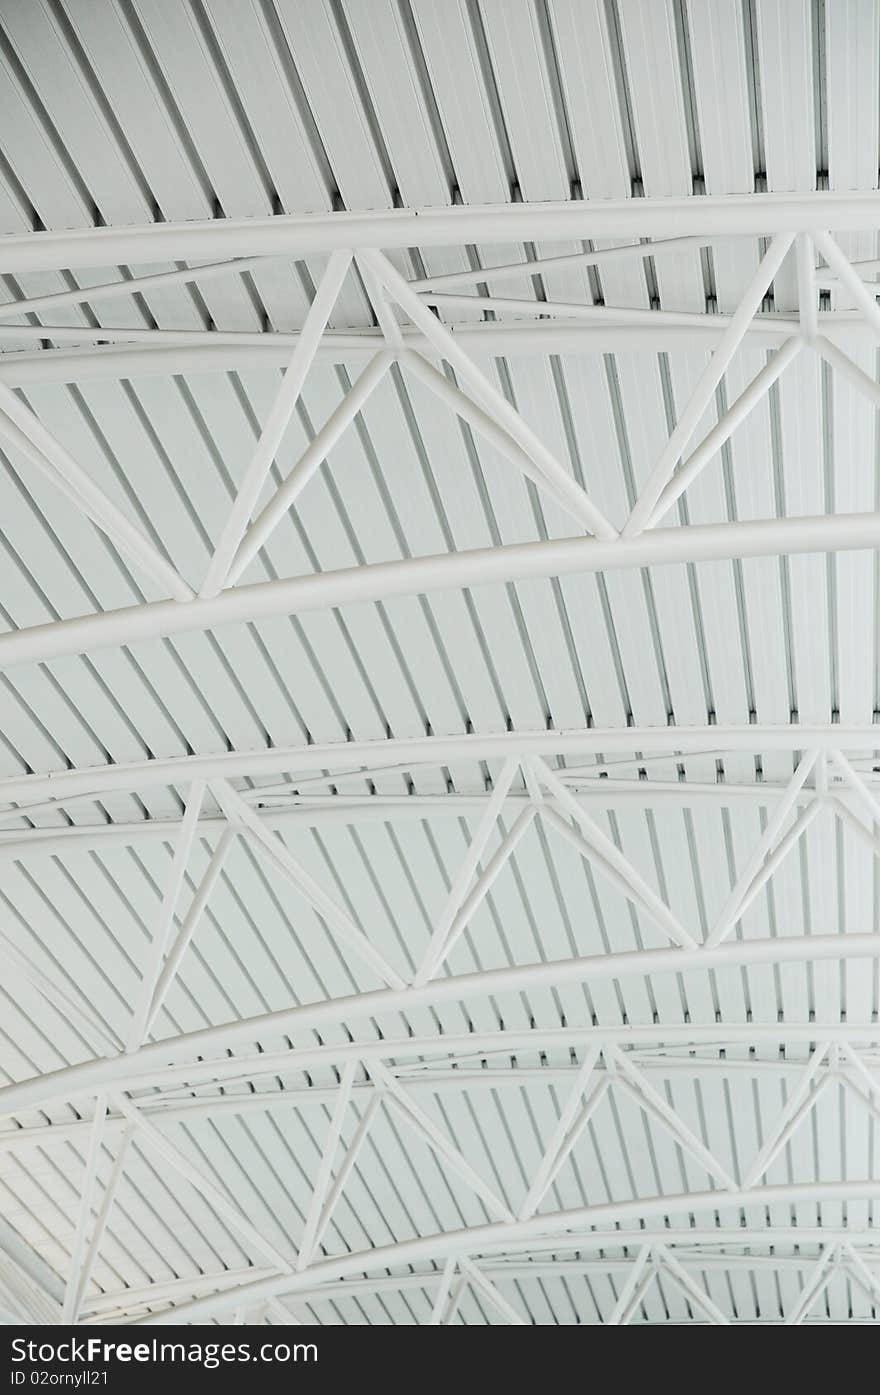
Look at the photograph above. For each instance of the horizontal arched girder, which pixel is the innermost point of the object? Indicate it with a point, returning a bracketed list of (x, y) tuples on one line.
[(704, 1250), (443, 571), (440, 1080), (153, 1064), (408, 752), (306, 812), (148, 1069), (121, 353), (145, 359), (508, 1237), (208, 353), (720, 216)]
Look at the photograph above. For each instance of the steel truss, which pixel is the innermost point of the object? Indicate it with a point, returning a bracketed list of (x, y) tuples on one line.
[(797, 225), (620, 1061), (566, 1231), (535, 779), (377, 1075), (703, 1252), (621, 1227)]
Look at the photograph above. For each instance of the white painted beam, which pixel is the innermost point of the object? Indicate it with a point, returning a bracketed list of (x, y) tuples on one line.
[(720, 216), (443, 1080), (110, 355), (342, 809), (442, 572), (140, 1067), (505, 1235), (355, 757), (720, 1261)]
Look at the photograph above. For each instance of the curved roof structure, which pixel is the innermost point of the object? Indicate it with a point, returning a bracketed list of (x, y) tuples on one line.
[(439, 664)]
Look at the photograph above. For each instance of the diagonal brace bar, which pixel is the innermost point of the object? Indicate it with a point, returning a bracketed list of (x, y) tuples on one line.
[(709, 380), (238, 811)]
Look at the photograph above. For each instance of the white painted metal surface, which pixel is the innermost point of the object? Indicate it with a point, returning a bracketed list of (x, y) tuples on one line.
[(439, 812)]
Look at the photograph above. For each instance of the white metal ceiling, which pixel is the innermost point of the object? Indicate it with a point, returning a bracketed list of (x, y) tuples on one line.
[(373, 719)]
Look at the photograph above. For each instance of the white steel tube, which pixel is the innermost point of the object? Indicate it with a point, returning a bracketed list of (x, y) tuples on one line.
[(633, 1286), (815, 1285), (382, 308), (483, 885), (609, 855), (325, 1169), (480, 1239), (65, 997), (146, 353), (434, 954), (360, 756), (800, 1101), (277, 422), (135, 334), (128, 1300), (540, 1181), (449, 1076), (709, 379), (654, 1105), (566, 309), (554, 820), (448, 571), (335, 917), (346, 1167), (733, 417), (100, 1225), (864, 296), (293, 236), (582, 1119), (135, 1066), (854, 779), (147, 1133), (853, 1261), (189, 927), (861, 1070), (564, 485), (165, 920), (845, 813), (506, 271), (781, 811), (320, 812), (411, 1112), (689, 1286), (843, 364), (171, 1108), (491, 1292), (84, 1218), (481, 421), (451, 1079), (134, 285), (779, 853), (340, 419), (20, 426), (807, 304)]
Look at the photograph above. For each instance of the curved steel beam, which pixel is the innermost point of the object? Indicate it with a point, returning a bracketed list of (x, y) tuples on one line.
[(353, 757), (211, 354), (474, 1047), (507, 1236), (442, 572), (306, 812), (442, 1080), (703, 1250), (722, 216), (135, 1068)]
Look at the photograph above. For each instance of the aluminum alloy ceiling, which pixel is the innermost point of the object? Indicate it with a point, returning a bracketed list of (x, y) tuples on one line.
[(440, 862)]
